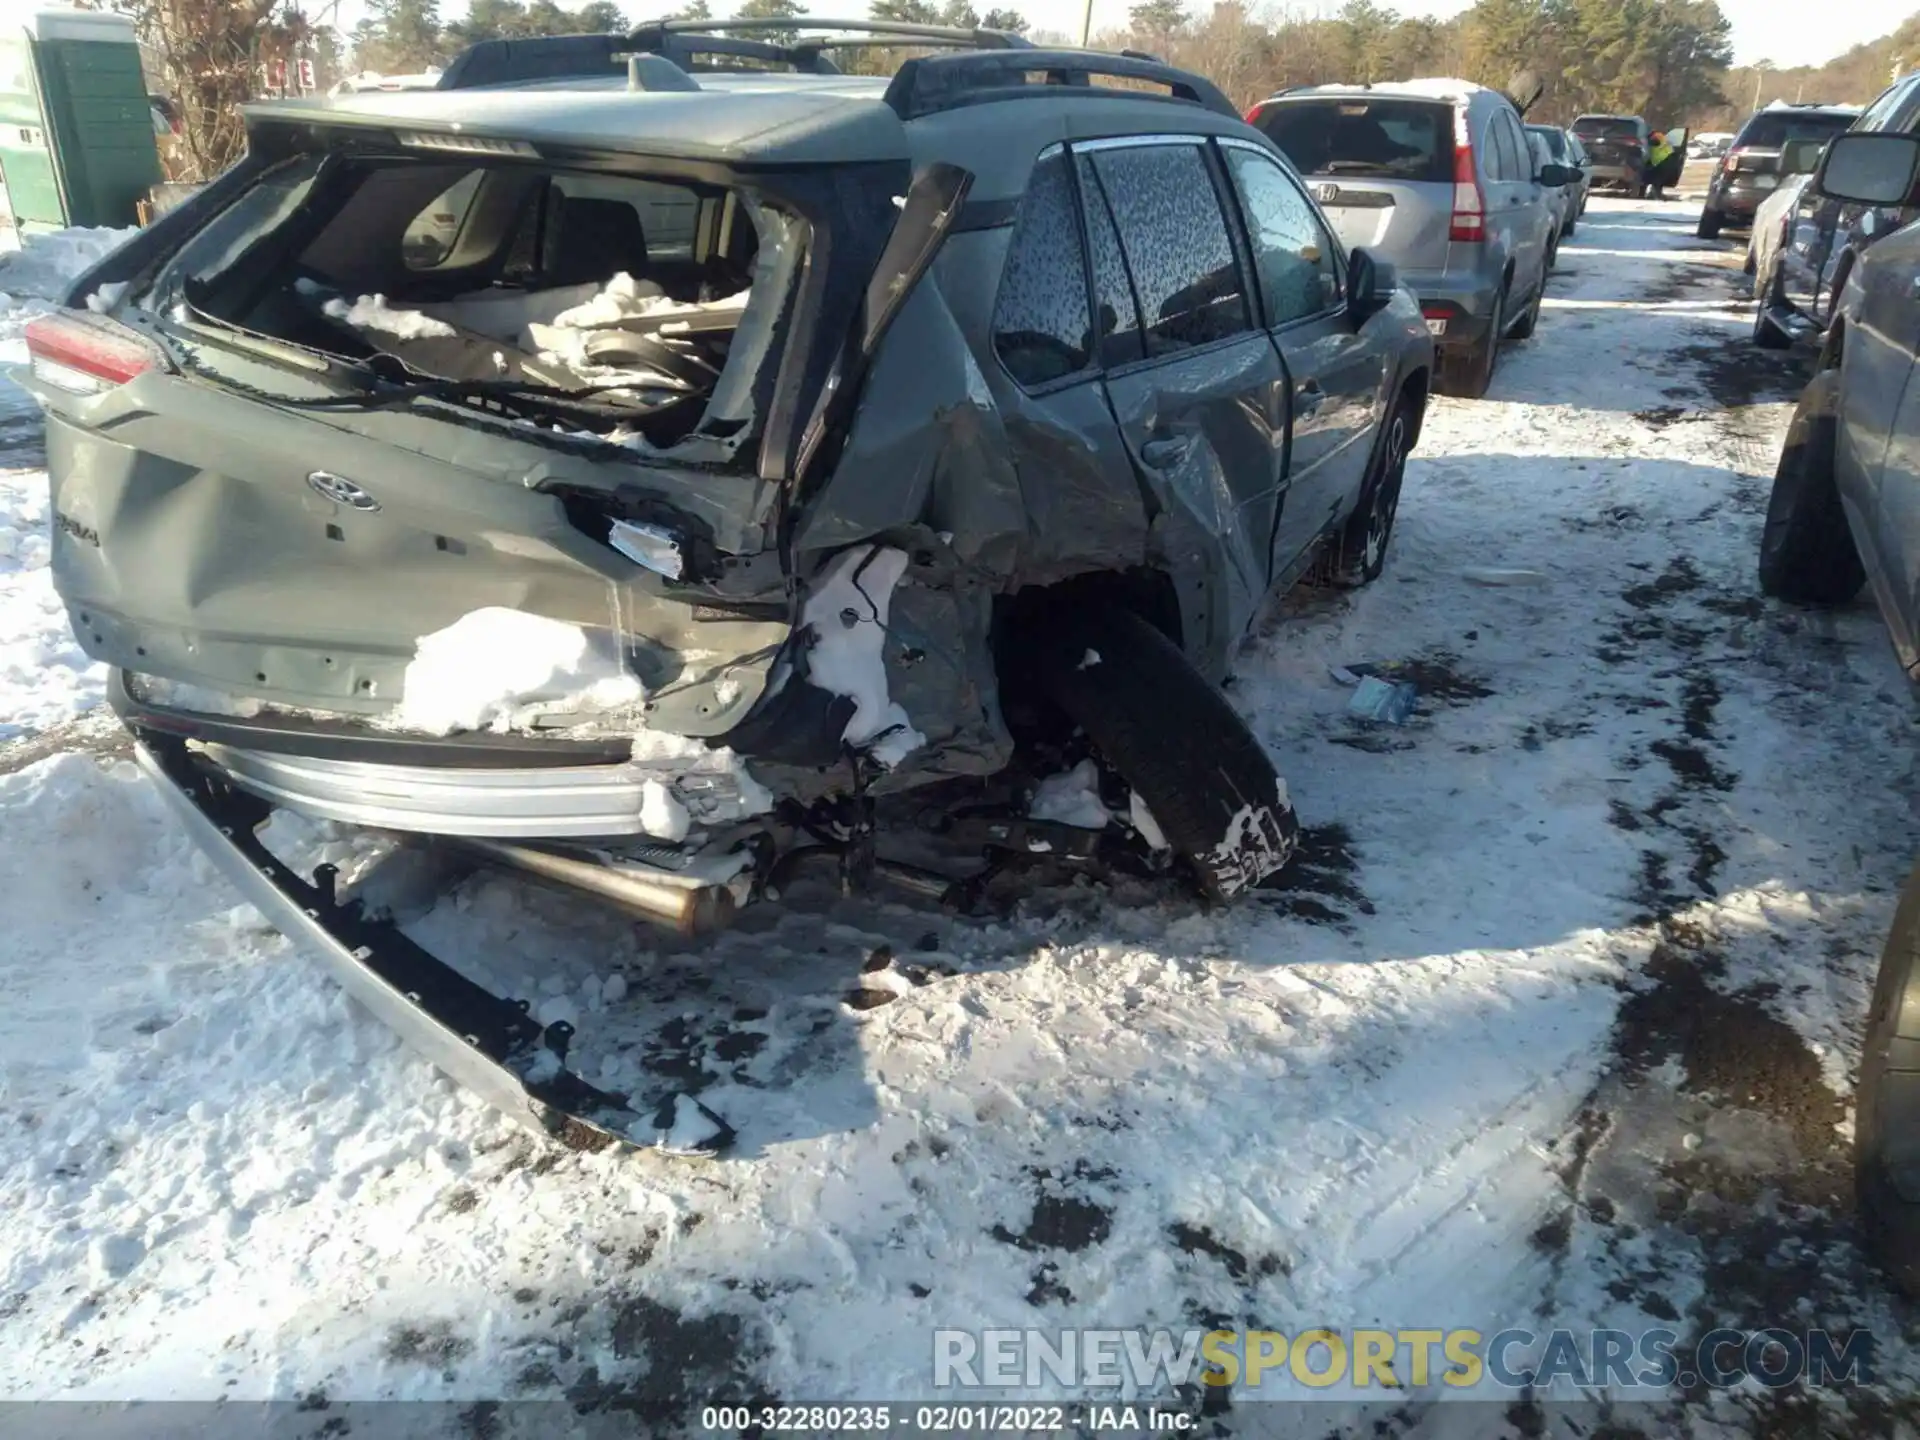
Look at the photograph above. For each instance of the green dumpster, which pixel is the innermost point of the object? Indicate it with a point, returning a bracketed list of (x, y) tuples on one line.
[(76, 128)]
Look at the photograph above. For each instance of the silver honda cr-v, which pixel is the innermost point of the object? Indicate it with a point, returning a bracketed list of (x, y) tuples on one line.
[(1437, 176)]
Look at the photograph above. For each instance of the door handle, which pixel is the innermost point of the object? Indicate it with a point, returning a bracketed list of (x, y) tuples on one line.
[(1309, 398), (1168, 450)]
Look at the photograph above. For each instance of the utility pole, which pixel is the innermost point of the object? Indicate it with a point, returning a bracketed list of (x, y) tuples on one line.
[(1086, 25), (1759, 75)]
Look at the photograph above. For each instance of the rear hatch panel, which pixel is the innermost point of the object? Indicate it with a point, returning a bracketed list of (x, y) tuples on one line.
[(236, 520), (1380, 166)]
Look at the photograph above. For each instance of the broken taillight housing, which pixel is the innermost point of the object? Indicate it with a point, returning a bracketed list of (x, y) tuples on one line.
[(88, 354)]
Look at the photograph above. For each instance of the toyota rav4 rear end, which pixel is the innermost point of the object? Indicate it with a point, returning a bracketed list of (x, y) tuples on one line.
[(428, 472)]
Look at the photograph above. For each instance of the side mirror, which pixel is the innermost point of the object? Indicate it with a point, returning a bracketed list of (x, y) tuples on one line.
[(1559, 175), (1870, 168), (1371, 284)]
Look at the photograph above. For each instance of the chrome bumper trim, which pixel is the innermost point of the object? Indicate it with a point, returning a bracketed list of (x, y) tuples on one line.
[(547, 803)]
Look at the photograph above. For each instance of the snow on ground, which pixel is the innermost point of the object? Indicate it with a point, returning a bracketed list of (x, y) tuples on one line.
[(45, 678), (1555, 1019)]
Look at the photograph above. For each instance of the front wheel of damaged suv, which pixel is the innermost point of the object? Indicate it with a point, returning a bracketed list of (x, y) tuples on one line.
[(1176, 741), (1807, 552)]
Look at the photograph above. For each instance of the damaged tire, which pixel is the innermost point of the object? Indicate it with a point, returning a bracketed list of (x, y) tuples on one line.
[(1175, 740), (1807, 552), (1886, 1129)]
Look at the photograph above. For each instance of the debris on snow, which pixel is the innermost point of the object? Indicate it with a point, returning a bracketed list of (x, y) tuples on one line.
[(848, 612), (1499, 575), (1387, 702), (496, 668), (1072, 798)]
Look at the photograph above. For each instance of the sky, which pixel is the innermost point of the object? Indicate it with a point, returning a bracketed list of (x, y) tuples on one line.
[(1775, 30)]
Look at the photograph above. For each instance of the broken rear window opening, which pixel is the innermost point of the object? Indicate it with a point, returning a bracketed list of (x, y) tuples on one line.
[(1392, 139), (627, 308)]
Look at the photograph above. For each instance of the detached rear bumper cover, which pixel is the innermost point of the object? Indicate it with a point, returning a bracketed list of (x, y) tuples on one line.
[(488, 1044)]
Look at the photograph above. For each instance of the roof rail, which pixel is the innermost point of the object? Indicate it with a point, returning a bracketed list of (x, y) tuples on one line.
[(658, 35), (800, 42), (934, 83)]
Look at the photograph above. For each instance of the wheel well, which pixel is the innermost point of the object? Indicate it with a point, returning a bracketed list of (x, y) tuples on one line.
[(1150, 594), (1414, 390)]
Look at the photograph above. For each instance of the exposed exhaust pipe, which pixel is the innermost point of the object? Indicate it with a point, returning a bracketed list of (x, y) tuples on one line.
[(638, 889)]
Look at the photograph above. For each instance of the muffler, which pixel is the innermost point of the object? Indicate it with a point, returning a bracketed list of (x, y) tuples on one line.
[(642, 891)]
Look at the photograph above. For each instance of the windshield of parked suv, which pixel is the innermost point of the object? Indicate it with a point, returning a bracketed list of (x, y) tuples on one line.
[(1605, 125), (1773, 131), (1359, 135)]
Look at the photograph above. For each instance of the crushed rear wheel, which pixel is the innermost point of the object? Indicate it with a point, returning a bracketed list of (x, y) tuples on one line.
[(1174, 738)]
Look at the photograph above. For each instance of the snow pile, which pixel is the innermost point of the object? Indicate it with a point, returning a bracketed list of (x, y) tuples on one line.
[(848, 612), (32, 280), (46, 265), (45, 677), (500, 669), (622, 298), (371, 312)]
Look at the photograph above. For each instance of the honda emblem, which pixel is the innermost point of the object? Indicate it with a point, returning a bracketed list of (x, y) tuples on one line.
[(1326, 194)]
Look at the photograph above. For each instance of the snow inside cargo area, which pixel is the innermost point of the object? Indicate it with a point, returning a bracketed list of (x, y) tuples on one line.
[(588, 303)]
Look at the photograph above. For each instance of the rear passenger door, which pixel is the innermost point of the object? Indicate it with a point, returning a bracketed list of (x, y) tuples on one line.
[(1517, 212), (1196, 386), (1335, 381)]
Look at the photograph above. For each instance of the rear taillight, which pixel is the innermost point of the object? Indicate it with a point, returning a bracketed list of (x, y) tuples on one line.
[(1731, 162), (1253, 112), (1469, 205), (88, 354)]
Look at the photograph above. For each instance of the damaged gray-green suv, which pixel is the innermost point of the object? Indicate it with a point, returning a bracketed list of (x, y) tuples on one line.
[(644, 459)]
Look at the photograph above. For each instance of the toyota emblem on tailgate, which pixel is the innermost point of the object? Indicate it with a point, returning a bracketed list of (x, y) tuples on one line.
[(341, 490), (1326, 194)]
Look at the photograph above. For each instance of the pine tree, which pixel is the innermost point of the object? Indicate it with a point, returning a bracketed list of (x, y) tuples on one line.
[(1157, 19), (399, 36)]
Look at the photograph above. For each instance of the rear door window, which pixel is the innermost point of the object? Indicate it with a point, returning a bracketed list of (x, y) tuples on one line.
[(1040, 326), (1507, 150), (1173, 235), (1607, 127), (1392, 139)]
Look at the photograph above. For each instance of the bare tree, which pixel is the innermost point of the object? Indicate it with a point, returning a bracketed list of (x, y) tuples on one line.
[(211, 55)]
